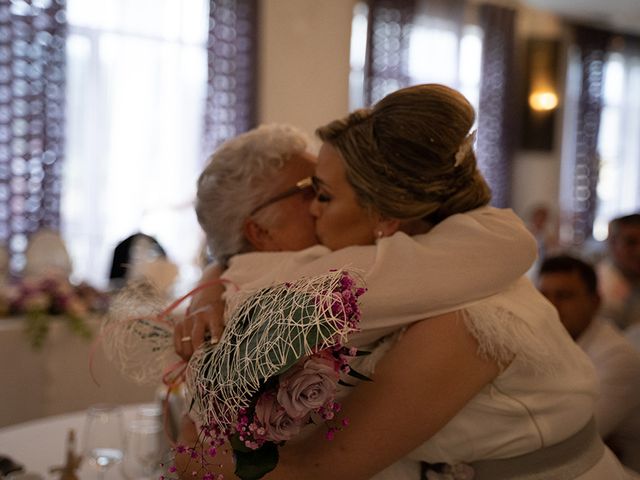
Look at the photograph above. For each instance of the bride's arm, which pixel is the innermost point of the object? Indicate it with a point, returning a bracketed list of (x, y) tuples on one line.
[(428, 377), (420, 384)]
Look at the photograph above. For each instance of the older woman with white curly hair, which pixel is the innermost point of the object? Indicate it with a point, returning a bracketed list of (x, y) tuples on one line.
[(248, 194), (253, 195)]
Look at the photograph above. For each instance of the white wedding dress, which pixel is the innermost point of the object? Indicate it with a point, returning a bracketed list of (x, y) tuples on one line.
[(545, 395)]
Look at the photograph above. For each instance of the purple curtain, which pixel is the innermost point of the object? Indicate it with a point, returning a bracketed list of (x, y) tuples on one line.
[(232, 52), (496, 133), (387, 62), (32, 100), (593, 49)]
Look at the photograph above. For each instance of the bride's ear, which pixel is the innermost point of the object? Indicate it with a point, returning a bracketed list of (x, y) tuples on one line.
[(385, 227)]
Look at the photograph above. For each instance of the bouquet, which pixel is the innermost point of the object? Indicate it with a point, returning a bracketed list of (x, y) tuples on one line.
[(275, 370)]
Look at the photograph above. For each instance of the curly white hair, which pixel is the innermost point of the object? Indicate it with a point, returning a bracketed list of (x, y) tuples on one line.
[(239, 176)]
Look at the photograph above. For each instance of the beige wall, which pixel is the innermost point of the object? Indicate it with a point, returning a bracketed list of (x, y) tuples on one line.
[(304, 52)]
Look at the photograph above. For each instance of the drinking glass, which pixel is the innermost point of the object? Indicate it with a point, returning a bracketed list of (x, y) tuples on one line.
[(103, 437), (144, 448), (153, 412)]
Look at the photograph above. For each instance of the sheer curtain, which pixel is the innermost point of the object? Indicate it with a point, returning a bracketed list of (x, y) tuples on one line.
[(496, 131), (410, 42), (618, 188), (32, 102), (137, 78), (388, 37), (232, 71), (446, 49), (580, 158)]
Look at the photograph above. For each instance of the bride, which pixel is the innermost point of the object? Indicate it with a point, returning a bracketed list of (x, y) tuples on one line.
[(493, 386)]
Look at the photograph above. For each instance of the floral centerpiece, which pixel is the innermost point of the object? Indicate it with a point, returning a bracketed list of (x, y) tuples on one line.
[(39, 299), (275, 370)]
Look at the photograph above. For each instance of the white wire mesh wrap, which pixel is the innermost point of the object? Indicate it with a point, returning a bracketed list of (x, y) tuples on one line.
[(270, 330), (134, 338)]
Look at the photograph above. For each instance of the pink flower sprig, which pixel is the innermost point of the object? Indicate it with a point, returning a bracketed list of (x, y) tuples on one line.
[(332, 430), (345, 301)]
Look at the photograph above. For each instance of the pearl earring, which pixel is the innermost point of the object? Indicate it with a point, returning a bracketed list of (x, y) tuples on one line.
[(379, 234)]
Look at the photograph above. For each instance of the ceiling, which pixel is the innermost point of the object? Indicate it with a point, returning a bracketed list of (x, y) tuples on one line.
[(621, 15)]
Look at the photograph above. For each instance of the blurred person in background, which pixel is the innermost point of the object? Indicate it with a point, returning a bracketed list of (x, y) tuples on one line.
[(571, 286), (544, 228), (619, 274)]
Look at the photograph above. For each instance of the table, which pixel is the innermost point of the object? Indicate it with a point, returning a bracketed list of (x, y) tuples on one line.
[(41, 444), (56, 379)]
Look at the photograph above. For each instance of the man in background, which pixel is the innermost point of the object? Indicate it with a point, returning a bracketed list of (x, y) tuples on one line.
[(571, 286), (619, 274)]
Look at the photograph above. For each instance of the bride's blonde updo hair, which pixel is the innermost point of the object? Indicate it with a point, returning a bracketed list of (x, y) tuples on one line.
[(410, 157)]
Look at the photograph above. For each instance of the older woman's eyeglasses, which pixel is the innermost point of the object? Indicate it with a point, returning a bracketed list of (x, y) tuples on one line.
[(304, 186)]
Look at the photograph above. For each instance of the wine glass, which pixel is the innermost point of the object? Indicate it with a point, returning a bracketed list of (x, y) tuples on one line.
[(144, 447), (103, 437)]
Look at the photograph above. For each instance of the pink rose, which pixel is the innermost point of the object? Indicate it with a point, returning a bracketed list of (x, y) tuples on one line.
[(308, 385), (278, 424)]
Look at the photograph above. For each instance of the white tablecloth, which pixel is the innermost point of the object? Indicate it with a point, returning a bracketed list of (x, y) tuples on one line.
[(56, 379), (41, 444)]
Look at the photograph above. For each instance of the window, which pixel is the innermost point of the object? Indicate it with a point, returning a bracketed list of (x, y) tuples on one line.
[(357, 55), (618, 142), (438, 53), (136, 89)]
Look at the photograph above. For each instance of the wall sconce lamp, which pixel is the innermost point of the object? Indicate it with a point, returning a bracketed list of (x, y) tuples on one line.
[(542, 101)]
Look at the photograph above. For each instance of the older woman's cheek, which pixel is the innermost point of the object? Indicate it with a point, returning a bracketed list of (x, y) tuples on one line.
[(315, 208)]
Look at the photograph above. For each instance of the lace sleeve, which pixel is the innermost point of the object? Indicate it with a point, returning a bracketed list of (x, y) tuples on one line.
[(506, 334)]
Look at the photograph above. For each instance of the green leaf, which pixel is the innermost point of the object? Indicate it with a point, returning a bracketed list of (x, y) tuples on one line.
[(359, 376), (256, 464), (345, 384), (301, 338), (37, 329), (78, 326), (237, 444)]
